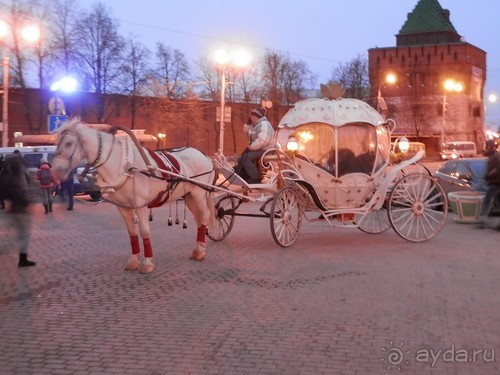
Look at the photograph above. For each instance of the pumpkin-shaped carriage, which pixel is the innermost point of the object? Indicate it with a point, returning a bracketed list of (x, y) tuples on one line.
[(331, 162)]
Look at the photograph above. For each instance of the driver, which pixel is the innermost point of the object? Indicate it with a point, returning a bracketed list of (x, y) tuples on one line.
[(260, 135)]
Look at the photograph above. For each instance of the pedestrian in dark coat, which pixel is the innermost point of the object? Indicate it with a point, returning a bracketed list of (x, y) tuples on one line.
[(492, 178), (15, 185)]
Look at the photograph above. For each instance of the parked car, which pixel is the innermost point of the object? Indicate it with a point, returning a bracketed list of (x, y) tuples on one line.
[(465, 175)]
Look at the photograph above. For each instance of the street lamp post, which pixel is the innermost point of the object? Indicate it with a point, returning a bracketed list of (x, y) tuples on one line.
[(390, 79), (30, 33), (222, 108), (450, 85), (224, 58), (5, 102)]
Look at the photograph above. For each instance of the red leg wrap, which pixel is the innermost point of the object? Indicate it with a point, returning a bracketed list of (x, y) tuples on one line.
[(200, 236), (148, 250), (134, 243)]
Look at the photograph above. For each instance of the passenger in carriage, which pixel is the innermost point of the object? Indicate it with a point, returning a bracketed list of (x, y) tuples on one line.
[(365, 162), (347, 161), (260, 135)]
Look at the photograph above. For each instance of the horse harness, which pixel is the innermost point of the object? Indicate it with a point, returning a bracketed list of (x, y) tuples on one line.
[(165, 160)]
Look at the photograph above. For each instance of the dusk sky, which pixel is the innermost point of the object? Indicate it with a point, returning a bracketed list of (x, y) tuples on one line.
[(323, 33)]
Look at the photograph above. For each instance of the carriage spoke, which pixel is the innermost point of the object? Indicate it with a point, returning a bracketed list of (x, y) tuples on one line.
[(224, 217), (417, 207), (373, 222), (286, 217)]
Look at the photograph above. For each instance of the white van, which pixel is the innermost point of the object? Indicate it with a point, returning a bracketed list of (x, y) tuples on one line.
[(32, 156), (459, 149)]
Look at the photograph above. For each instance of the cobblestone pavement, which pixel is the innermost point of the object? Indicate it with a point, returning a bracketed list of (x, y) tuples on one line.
[(339, 301)]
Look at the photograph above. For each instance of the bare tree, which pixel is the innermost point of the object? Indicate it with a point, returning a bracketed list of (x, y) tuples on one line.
[(208, 73), (135, 74), (246, 82), (101, 55), (272, 67), (63, 18), (172, 72), (353, 76), (284, 80), (296, 77)]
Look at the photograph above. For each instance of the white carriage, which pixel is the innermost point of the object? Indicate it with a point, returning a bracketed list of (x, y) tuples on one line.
[(331, 163)]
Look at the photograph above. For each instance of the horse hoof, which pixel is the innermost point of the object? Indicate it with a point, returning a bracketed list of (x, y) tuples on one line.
[(133, 263), (197, 255), (147, 268)]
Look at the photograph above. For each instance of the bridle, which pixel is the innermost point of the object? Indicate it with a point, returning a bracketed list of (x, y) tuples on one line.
[(98, 162)]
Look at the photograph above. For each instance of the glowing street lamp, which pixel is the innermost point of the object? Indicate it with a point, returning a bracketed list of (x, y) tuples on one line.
[(238, 59), (65, 84), (161, 140), (30, 34), (390, 79), (452, 86)]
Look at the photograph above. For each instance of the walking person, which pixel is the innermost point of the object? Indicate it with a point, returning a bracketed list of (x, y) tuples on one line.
[(67, 187), (14, 187), (47, 182), (492, 178), (260, 135)]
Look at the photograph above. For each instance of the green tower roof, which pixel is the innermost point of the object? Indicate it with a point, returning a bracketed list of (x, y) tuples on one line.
[(427, 16)]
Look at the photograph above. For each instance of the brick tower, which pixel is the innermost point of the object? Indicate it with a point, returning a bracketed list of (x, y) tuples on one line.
[(428, 53)]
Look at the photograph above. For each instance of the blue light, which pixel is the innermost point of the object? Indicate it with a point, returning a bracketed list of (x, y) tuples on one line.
[(65, 84)]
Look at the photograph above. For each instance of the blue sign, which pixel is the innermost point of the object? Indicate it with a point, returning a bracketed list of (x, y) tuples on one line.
[(56, 121)]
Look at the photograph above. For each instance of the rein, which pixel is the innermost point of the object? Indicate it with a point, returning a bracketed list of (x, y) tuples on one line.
[(95, 164)]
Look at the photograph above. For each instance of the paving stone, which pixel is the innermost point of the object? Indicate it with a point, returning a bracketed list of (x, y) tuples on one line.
[(339, 301)]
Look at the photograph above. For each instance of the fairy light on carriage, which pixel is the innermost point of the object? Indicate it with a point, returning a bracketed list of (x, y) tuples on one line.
[(332, 159)]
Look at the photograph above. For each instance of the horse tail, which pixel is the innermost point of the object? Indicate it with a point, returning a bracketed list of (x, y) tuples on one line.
[(210, 203)]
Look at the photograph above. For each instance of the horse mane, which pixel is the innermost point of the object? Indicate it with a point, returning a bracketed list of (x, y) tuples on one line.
[(70, 123), (76, 123)]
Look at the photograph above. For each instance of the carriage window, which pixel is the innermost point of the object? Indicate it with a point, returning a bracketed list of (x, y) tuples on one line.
[(357, 145), (383, 147), (347, 149), (316, 140)]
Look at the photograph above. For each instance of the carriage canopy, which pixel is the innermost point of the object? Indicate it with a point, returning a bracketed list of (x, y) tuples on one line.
[(341, 136)]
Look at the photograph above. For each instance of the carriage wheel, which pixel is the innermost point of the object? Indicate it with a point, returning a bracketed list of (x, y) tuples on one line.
[(375, 222), (417, 207), (286, 217), (224, 218)]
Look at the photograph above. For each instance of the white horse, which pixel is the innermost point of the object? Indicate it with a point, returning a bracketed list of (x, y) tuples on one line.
[(133, 179)]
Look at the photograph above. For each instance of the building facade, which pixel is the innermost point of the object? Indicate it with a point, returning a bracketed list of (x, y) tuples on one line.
[(429, 52), (188, 122)]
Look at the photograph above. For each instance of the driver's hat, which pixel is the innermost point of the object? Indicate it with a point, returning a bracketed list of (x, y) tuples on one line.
[(258, 112)]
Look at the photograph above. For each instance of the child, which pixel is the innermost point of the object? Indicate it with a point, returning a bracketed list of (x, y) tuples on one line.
[(47, 182)]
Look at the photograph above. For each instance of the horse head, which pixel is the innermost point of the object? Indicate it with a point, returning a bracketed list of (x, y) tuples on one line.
[(70, 150)]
